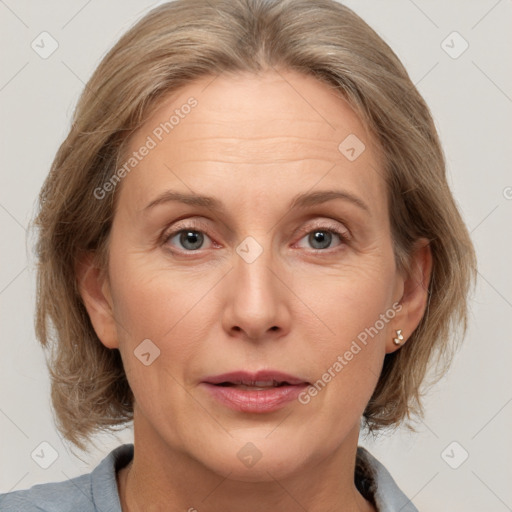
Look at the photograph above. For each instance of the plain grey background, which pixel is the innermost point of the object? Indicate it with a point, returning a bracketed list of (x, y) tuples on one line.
[(460, 458)]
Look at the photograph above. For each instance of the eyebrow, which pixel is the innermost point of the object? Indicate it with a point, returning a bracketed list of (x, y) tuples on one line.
[(304, 200)]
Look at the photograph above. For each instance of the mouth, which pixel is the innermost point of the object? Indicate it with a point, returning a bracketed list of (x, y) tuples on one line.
[(262, 379), (255, 385), (264, 391)]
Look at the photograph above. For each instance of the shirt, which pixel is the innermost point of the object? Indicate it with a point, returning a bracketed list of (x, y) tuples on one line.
[(97, 491)]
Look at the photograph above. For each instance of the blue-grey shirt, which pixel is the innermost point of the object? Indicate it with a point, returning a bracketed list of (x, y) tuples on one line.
[(97, 491)]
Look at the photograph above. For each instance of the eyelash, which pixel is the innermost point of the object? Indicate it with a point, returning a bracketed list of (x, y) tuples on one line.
[(198, 227)]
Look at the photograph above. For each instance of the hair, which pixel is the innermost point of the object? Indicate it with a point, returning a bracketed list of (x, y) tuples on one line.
[(182, 41)]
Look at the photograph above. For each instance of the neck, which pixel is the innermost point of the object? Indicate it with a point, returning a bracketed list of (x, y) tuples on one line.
[(170, 480)]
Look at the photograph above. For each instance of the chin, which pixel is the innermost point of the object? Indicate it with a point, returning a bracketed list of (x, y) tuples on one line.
[(259, 461)]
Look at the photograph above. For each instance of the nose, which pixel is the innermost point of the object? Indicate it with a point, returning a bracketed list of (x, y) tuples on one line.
[(257, 307)]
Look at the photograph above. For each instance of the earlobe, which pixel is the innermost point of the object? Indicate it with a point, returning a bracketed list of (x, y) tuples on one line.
[(399, 338), (415, 296), (94, 289)]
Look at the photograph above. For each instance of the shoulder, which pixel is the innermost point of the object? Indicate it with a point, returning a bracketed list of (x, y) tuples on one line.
[(86, 493), (50, 497), (388, 496)]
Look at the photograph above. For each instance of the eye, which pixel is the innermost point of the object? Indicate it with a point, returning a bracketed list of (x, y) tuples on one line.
[(186, 238), (190, 239), (321, 238)]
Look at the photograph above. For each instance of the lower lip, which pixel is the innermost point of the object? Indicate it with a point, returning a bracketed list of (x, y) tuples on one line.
[(264, 400)]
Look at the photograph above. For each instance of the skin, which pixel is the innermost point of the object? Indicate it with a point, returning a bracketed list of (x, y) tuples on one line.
[(253, 142)]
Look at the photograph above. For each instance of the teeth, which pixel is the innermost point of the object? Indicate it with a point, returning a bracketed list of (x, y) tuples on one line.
[(253, 388), (264, 383), (259, 384)]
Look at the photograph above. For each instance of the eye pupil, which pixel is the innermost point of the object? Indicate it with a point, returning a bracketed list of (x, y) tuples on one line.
[(192, 240), (194, 237), (322, 237)]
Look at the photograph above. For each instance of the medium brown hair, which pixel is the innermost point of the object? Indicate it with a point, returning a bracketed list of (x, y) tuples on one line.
[(173, 45)]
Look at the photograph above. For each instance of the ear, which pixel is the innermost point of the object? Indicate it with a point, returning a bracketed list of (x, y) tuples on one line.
[(94, 289), (415, 294)]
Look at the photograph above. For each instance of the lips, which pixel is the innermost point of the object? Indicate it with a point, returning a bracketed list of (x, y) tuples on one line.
[(260, 392), (265, 379)]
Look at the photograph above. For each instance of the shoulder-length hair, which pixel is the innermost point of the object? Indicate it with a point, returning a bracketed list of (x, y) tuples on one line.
[(173, 45)]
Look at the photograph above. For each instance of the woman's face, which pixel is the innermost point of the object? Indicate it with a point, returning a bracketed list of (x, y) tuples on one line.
[(288, 268)]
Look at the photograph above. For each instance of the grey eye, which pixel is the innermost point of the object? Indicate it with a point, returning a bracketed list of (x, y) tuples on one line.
[(189, 239)]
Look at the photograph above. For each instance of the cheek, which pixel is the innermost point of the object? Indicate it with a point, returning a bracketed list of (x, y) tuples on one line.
[(355, 306), (347, 362), (163, 306), (170, 307), (351, 298), (152, 298)]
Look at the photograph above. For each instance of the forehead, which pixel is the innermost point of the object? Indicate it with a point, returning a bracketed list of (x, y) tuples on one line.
[(246, 131)]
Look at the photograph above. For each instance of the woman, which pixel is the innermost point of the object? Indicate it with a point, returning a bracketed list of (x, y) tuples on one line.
[(248, 247)]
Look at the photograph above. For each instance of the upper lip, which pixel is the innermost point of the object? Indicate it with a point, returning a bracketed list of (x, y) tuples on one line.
[(252, 379)]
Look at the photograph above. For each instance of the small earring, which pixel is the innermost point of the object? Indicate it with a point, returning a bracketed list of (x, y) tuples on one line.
[(399, 337)]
